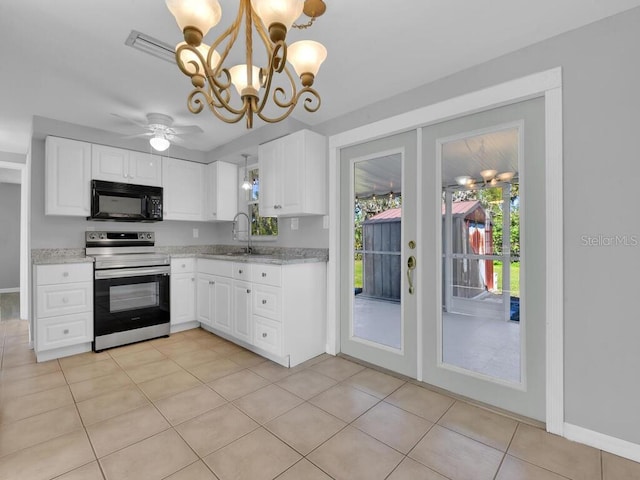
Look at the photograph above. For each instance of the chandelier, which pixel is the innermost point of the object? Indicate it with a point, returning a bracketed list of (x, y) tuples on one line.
[(204, 64)]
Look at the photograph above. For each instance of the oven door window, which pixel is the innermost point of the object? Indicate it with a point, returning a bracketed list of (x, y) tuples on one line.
[(134, 296)]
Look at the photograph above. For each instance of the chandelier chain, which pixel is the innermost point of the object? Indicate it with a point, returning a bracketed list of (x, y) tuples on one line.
[(303, 26)]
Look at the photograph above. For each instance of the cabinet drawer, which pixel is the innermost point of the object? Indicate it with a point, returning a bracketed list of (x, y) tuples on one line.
[(267, 335), (215, 267), (242, 271), (64, 273), (62, 331), (64, 299), (182, 265), (266, 274), (266, 301)]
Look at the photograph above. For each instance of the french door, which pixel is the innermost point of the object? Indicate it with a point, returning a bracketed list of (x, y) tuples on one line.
[(442, 262)]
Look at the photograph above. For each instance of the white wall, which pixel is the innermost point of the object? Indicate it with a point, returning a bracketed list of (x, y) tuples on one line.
[(601, 101), (9, 235)]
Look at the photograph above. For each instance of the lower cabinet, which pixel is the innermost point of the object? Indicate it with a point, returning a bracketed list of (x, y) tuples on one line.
[(63, 309), (277, 311), (183, 294)]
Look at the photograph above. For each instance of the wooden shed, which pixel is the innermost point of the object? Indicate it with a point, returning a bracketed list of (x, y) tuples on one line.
[(381, 266)]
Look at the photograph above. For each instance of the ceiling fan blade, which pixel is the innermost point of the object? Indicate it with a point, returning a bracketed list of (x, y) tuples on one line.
[(186, 129), (139, 135), (139, 123)]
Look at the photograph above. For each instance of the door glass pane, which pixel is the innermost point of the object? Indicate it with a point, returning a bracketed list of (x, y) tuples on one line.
[(133, 296), (377, 236), (481, 247)]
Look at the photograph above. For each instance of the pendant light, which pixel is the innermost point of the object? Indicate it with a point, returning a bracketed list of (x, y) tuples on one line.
[(246, 184)]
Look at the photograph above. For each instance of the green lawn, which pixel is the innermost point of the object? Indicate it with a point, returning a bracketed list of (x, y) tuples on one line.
[(357, 274), (514, 277)]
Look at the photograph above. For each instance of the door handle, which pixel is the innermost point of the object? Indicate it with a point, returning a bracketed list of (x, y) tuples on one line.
[(411, 266)]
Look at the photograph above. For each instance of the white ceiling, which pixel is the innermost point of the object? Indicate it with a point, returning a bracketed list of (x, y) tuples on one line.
[(66, 59)]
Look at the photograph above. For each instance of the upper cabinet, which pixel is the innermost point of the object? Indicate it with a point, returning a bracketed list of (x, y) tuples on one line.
[(184, 187), (67, 177), (118, 165), (293, 175), (221, 191)]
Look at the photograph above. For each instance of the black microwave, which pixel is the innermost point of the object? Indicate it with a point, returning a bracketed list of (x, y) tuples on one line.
[(125, 202)]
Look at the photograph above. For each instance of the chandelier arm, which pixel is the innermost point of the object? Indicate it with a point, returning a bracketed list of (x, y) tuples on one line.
[(284, 103), (231, 119), (276, 65), (257, 22), (308, 102), (196, 104)]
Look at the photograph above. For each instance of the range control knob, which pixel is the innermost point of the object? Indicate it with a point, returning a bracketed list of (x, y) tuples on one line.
[(149, 236), (103, 236), (92, 236)]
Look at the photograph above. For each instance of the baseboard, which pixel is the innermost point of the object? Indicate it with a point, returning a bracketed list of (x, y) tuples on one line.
[(604, 442), (10, 290)]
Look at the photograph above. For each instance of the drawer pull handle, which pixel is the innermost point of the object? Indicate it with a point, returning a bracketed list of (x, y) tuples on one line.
[(65, 274), (264, 302), (264, 274), (65, 331), (264, 334)]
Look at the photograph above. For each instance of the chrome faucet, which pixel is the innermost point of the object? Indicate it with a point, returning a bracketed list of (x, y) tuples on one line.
[(235, 231)]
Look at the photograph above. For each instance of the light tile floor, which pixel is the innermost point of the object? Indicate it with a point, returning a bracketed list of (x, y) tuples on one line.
[(196, 407)]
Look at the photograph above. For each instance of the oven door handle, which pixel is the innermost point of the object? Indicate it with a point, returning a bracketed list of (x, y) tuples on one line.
[(131, 272)]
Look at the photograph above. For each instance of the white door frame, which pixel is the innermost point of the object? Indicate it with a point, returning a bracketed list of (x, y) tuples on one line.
[(547, 84), (25, 260)]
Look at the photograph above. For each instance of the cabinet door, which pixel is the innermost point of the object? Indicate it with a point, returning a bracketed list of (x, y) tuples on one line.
[(242, 311), (221, 191), (204, 299), (67, 177), (222, 318), (183, 184), (145, 169), (270, 165), (291, 174), (183, 297), (109, 164)]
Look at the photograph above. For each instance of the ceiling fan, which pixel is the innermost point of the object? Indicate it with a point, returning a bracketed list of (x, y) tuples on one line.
[(161, 130)]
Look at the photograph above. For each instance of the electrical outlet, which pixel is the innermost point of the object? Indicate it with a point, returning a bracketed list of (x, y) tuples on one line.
[(196, 233), (294, 224), (325, 221)]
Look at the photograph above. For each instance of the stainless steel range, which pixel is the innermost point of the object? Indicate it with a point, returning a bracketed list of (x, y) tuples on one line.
[(131, 288)]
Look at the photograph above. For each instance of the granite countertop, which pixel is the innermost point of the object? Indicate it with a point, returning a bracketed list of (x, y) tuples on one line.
[(232, 253), (53, 256)]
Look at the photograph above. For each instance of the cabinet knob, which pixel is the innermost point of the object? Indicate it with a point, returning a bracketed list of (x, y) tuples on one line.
[(264, 274), (65, 300), (277, 206), (240, 272), (184, 265), (248, 291), (66, 331), (264, 334), (65, 274), (264, 302), (211, 282), (193, 279)]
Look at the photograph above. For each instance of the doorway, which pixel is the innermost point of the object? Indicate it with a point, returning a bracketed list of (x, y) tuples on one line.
[(547, 87)]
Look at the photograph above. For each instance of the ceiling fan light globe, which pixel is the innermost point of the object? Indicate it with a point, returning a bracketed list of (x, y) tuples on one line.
[(488, 174), (306, 56), (284, 12), (159, 143), (201, 15)]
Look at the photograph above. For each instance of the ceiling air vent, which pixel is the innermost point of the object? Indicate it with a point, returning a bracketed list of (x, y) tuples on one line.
[(152, 46)]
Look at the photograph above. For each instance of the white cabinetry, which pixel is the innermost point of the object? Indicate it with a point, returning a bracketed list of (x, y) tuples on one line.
[(67, 177), (293, 175), (276, 310), (213, 296), (63, 309), (183, 184), (118, 165), (183, 294), (221, 191)]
